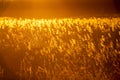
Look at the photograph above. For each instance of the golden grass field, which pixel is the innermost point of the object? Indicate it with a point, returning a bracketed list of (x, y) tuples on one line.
[(60, 49)]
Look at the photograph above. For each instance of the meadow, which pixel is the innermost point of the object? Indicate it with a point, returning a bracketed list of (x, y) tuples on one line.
[(60, 49)]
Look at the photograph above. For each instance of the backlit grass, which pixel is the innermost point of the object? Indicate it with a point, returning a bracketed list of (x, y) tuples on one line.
[(60, 49)]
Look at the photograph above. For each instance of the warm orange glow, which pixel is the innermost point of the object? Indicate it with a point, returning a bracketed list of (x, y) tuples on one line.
[(56, 8), (59, 39), (39, 49)]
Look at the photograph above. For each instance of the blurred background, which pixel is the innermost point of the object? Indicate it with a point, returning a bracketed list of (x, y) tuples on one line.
[(59, 8)]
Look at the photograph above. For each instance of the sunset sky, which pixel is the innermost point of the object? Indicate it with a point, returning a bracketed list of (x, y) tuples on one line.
[(57, 8)]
